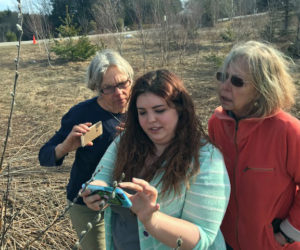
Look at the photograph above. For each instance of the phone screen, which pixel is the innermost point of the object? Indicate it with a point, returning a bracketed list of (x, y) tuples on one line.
[(115, 201)]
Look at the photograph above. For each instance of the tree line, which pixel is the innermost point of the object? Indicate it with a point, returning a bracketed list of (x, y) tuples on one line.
[(44, 18), (96, 16)]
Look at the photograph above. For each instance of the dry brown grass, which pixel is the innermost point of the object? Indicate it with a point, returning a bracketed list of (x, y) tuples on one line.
[(44, 94)]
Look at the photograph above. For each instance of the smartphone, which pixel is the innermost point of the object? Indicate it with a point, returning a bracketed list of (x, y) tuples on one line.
[(95, 131), (120, 199)]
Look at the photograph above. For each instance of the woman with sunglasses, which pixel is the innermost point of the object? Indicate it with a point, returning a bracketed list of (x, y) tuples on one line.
[(260, 142), (110, 75)]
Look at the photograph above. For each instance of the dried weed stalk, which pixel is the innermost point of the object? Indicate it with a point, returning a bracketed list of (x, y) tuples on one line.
[(5, 221), (13, 93)]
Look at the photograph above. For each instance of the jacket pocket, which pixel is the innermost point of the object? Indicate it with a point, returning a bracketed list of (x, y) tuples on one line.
[(258, 169)]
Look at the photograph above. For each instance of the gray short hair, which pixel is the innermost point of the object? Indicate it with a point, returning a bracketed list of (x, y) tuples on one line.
[(99, 65)]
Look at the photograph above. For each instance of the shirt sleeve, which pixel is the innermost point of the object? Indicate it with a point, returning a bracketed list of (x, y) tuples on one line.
[(207, 199), (47, 152), (105, 168)]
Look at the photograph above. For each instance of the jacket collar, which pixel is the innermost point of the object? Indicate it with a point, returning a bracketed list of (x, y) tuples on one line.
[(244, 127)]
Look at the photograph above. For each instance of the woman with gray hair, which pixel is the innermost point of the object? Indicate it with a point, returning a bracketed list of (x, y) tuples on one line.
[(111, 76), (260, 143)]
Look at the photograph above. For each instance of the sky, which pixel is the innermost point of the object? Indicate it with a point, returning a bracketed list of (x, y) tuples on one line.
[(11, 4)]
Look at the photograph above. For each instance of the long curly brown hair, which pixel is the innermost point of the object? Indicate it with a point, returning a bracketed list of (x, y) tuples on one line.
[(180, 160)]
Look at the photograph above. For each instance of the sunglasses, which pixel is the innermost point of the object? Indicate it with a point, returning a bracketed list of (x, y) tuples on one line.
[(111, 89), (235, 81)]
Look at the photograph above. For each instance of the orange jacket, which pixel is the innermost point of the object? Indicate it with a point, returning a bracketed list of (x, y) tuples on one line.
[(262, 156)]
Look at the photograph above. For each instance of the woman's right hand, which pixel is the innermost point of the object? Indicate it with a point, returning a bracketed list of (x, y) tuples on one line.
[(144, 200), (92, 201), (72, 142)]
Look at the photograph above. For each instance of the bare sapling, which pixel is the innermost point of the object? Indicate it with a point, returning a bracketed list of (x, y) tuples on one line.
[(4, 221), (38, 23), (107, 15), (13, 93)]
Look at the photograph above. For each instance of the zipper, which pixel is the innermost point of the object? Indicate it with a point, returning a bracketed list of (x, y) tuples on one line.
[(234, 179), (259, 169)]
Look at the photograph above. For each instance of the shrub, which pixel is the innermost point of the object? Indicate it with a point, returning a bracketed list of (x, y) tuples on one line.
[(214, 59), (92, 27), (74, 50), (10, 36), (268, 33), (228, 35), (120, 24), (69, 48), (67, 29)]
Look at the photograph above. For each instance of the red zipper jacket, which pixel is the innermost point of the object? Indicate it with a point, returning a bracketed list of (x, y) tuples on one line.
[(262, 156)]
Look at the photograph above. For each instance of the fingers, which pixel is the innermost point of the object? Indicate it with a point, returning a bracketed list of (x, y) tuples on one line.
[(139, 185), (142, 187), (88, 124), (146, 186), (84, 193), (81, 128), (131, 186), (121, 127), (92, 201)]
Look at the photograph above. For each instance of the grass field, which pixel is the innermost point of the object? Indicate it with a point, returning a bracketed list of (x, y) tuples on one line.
[(44, 94)]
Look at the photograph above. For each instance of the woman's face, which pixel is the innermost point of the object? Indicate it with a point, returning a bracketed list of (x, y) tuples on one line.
[(237, 99), (116, 101), (157, 119)]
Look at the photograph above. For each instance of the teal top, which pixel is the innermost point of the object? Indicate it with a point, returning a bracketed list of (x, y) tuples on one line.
[(203, 204)]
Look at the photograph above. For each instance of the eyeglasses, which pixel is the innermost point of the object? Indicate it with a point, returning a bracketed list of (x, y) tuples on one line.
[(235, 81), (111, 89)]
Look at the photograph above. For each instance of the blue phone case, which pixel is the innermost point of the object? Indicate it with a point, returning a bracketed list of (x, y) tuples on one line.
[(120, 199)]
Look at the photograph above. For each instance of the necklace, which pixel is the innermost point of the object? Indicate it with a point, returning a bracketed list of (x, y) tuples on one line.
[(116, 118)]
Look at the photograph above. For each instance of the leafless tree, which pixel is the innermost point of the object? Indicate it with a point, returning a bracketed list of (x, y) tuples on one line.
[(139, 10), (5, 221), (164, 19), (107, 15), (38, 23)]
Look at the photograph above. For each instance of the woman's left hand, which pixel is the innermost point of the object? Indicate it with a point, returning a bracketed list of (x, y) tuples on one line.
[(120, 128), (144, 200)]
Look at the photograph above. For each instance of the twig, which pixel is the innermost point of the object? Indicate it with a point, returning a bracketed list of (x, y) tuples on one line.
[(5, 206), (103, 205), (41, 233), (13, 94)]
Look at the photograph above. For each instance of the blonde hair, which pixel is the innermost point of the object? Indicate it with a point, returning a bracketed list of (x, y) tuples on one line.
[(99, 65), (269, 71)]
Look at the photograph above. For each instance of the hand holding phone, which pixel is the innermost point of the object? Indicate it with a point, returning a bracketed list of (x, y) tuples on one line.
[(95, 131), (120, 198)]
